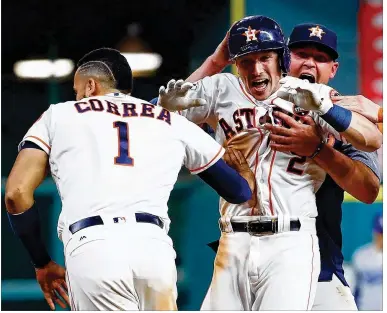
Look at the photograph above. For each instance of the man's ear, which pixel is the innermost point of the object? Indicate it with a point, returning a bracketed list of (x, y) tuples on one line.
[(91, 87), (335, 67)]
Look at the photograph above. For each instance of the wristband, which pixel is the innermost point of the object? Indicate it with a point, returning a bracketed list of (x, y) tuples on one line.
[(380, 115), (26, 226), (318, 149), (338, 117)]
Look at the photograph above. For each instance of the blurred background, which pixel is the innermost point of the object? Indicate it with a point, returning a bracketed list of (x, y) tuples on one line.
[(175, 36)]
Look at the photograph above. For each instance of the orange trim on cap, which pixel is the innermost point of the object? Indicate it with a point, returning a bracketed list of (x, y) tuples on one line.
[(380, 127), (48, 147), (200, 168)]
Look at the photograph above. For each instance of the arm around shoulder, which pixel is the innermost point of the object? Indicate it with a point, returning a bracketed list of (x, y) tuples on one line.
[(353, 176)]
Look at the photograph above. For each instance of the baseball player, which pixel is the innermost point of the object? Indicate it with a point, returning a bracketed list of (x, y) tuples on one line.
[(258, 261), (314, 58), (114, 220), (319, 42), (367, 263), (258, 45), (349, 169)]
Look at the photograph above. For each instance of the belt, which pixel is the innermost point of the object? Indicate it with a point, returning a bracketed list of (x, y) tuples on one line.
[(97, 220), (259, 227)]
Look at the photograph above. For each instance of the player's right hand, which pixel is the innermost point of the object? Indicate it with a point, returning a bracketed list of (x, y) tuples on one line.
[(361, 105), (52, 281), (235, 159), (174, 97), (221, 56)]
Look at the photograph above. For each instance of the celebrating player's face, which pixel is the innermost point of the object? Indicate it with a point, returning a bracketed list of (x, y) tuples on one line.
[(260, 72), (313, 64)]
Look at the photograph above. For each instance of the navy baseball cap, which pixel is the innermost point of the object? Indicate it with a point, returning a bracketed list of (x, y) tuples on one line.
[(315, 34), (378, 223)]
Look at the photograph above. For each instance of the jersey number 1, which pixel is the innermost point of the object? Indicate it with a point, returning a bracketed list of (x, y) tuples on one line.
[(123, 157)]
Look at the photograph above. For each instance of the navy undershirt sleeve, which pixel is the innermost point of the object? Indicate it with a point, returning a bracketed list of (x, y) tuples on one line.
[(30, 144), (227, 182)]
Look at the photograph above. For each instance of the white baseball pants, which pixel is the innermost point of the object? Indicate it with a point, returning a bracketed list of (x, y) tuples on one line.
[(274, 272), (129, 266), (333, 296)]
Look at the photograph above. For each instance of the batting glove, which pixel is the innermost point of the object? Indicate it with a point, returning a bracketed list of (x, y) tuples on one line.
[(314, 97), (174, 97)]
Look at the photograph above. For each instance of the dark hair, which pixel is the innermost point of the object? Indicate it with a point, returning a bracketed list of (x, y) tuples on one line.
[(100, 70), (115, 62)]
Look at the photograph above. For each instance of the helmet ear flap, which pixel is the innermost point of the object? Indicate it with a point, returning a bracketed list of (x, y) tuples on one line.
[(285, 60)]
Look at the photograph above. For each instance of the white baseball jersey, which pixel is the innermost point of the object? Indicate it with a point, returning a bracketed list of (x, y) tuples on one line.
[(286, 183), (367, 263), (117, 154)]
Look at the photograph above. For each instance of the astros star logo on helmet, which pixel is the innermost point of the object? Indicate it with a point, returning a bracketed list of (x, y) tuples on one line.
[(316, 31), (250, 34)]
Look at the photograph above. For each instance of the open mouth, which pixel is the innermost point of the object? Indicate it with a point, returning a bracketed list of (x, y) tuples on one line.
[(308, 77), (261, 84)]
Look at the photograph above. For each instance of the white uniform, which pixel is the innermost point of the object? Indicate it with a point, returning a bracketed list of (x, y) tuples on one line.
[(367, 263), (113, 156), (277, 272), (334, 296)]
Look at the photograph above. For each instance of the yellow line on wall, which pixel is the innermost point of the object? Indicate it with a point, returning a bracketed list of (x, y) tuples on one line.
[(349, 198), (237, 11)]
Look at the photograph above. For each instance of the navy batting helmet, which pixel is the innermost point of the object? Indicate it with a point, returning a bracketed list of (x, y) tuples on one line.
[(258, 33), (378, 223)]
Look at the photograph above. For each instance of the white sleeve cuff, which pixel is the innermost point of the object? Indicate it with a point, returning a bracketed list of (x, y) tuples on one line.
[(217, 156)]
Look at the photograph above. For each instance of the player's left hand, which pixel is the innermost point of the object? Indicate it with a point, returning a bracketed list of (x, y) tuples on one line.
[(237, 161), (52, 281), (173, 98), (300, 138)]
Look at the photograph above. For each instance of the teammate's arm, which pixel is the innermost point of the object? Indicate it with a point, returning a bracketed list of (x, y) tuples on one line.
[(361, 105), (353, 176), (356, 129), (214, 64), (226, 181), (305, 140), (26, 175), (363, 134), (203, 157), (28, 172), (228, 184)]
